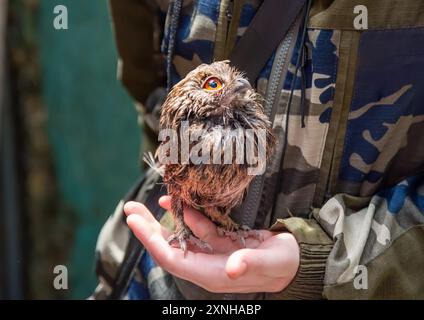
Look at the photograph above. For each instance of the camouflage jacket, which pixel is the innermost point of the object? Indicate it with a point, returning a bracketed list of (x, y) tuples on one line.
[(351, 189)]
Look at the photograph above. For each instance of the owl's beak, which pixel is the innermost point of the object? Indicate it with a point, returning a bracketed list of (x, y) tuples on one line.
[(242, 85), (236, 91)]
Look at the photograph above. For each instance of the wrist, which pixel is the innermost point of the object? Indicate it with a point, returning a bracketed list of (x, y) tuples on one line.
[(292, 264), (314, 247)]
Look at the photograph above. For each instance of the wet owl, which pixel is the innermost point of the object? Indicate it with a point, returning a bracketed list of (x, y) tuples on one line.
[(212, 128)]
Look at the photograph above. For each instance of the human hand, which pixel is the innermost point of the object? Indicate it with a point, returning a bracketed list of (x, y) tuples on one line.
[(267, 266)]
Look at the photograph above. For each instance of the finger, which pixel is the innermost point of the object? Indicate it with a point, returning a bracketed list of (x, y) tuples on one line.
[(237, 263), (165, 202), (276, 257), (136, 208), (201, 226), (198, 223), (133, 207), (203, 269), (147, 231), (208, 272), (205, 229), (152, 237)]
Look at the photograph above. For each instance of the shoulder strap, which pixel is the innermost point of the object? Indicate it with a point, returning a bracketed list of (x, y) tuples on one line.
[(265, 32)]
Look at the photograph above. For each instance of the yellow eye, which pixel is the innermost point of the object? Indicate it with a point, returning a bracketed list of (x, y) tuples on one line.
[(212, 83)]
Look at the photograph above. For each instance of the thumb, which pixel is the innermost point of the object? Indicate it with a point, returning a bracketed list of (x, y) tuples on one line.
[(238, 263), (277, 257)]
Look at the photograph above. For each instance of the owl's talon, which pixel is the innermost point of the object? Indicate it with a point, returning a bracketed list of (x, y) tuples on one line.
[(220, 231), (242, 241), (184, 238), (241, 234), (204, 246)]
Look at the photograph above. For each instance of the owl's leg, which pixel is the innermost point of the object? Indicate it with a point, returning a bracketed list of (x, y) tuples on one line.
[(182, 234), (222, 219), (229, 228)]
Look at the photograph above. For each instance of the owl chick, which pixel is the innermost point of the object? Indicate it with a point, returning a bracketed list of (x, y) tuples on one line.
[(210, 104)]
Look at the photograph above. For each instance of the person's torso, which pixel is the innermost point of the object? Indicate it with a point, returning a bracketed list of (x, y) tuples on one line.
[(364, 115)]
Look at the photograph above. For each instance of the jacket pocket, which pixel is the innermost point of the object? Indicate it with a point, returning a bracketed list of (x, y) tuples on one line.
[(384, 140)]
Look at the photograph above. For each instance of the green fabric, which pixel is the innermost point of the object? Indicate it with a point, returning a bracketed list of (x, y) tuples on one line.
[(345, 79), (133, 23), (306, 231), (338, 14), (344, 83), (140, 64), (315, 246), (221, 32), (395, 274), (226, 34), (368, 235), (233, 27), (333, 149)]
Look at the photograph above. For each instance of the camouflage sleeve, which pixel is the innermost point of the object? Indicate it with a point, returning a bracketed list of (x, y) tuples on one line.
[(110, 251), (362, 248), (315, 247), (136, 26), (138, 31)]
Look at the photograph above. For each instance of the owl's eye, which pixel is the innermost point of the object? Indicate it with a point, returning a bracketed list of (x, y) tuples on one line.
[(212, 83)]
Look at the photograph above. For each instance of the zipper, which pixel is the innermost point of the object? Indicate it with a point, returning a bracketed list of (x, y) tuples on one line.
[(229, 15), (281, 63), (275, 81), (224, 21), (231, 18), (174, 12), (275, 84), (272, 99), (228, 23)]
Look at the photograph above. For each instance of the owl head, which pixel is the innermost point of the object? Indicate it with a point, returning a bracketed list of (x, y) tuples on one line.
[(216, 94)]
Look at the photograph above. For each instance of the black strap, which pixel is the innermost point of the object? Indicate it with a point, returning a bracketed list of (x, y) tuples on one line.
[(135, 249), (265, 32)]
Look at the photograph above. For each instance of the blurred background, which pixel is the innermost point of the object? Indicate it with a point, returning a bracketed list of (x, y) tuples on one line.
[(69, 144)]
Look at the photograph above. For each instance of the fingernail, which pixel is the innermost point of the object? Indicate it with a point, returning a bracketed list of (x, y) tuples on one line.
[(129, 208), (164, 199), (134, 220)]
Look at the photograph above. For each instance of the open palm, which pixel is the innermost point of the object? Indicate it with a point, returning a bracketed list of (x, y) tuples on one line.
[(266, 266)]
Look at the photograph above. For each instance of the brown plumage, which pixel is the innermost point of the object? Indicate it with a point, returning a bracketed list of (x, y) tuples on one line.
[(211, 97)]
